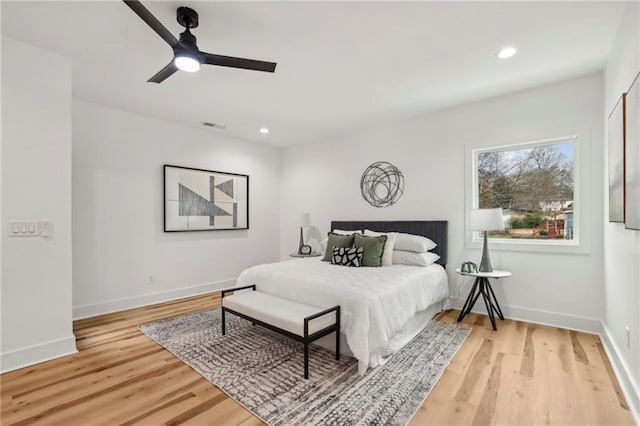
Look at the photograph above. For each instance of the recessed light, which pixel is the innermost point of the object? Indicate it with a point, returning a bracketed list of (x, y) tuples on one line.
[(506, 52), (264, 130)]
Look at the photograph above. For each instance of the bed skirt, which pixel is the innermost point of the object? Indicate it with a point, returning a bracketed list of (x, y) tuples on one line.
[(410, 330)]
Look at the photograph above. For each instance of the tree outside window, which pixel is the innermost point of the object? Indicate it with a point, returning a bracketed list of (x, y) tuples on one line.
[(533, 184)]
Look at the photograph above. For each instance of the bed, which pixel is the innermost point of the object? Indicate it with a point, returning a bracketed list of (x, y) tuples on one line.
[(382, 308)]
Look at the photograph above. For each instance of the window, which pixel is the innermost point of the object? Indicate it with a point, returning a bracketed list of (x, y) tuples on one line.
[(534, 184)]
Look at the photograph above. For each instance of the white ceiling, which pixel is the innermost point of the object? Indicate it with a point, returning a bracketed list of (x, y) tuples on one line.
[(341, 65)]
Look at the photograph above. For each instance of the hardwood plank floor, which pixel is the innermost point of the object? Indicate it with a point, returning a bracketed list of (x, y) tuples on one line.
[(523, 374)]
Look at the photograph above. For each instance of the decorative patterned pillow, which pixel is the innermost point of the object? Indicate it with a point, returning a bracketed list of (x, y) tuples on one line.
[(347, 256)]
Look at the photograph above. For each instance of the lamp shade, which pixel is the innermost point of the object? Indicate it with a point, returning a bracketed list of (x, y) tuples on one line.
[(486, 220), (305, 219)]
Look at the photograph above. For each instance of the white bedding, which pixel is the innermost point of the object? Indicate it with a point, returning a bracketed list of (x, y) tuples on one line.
[(375, 302)]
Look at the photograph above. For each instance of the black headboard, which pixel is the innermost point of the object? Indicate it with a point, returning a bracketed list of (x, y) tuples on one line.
[(435, 230)]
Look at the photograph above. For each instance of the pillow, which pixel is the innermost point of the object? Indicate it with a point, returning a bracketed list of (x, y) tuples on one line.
[(335, 240), (373, 249), (347, 256), (343, 232), (323, 243), (415, 259), (410, 242), (388, 247)]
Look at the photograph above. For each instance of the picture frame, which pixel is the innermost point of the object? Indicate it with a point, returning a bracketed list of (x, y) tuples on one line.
[(616, 139), (204, 200), (632, 156)]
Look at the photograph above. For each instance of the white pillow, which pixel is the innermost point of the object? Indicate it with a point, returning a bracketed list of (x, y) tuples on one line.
[(416, 243), (387, 253), (342, 232), (412, 258)]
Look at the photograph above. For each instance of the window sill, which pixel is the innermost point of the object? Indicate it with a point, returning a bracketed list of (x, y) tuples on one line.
[(532, 246)]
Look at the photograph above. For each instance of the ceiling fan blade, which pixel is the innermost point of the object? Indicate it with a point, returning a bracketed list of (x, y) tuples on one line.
[(164, 73), (230, 61), (151, 20)]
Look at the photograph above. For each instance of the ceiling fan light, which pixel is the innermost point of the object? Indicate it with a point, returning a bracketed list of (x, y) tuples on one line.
[(506, 52), (187, 63)]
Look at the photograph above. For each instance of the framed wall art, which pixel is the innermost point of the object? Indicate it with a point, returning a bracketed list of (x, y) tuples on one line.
[(616, 136), (632, 156), (204, 200)]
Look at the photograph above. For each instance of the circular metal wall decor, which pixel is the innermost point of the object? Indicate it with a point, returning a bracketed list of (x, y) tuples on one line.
[(382, 184)]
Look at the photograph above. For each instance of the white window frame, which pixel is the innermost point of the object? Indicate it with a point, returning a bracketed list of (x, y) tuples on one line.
[(581, 242)]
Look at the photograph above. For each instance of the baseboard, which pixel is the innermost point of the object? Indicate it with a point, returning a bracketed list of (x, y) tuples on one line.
[(94, 309), (25, 357), (554, 319), (623, 373)]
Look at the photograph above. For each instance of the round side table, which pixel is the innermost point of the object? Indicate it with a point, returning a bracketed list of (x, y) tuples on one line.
[(312, 254), (482, 286)]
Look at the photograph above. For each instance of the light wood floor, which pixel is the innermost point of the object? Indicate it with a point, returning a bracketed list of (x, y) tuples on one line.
[(523, 374)]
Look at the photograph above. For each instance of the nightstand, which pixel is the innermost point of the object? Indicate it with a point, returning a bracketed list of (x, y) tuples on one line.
[(312, 254), (482, 286)]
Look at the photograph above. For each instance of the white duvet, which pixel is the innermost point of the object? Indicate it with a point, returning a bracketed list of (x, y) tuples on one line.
[(375, 303)]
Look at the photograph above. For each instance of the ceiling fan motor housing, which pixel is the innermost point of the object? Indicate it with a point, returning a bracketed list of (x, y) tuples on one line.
[(188, 45), (188, 39)]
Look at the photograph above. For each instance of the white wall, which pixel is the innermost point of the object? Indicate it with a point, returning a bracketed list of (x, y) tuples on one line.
[(118, 238), (563, 289), (36, 185), (622, 246)]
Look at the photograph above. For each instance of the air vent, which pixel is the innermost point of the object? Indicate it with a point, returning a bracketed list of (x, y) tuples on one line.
[(217, 126)]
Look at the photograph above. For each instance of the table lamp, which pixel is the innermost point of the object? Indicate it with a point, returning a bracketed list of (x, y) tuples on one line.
[(305, 222), (485, 220)]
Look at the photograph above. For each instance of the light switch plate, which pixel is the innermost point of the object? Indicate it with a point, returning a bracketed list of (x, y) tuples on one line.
[(24, 228)]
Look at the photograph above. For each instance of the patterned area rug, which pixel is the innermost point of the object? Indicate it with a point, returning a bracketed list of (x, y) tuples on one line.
[(263, 371)]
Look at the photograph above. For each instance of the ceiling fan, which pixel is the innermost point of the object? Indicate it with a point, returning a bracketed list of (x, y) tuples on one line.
[(186, 55)]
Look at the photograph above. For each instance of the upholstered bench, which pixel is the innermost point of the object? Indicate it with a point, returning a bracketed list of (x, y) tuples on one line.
[(301, 322)]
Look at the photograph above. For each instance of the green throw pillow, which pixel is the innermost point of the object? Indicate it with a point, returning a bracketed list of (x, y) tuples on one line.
[(373, 248), (336, 240)]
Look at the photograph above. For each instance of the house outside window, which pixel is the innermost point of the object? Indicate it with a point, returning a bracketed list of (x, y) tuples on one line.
[(535, 185)]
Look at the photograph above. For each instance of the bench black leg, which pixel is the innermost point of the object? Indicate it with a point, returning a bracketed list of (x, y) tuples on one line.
[(223, 325), (306, 360), (338, 333)]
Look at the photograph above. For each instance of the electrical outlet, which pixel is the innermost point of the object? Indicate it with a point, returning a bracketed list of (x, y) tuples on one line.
[(628, 330), (152, 279)]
